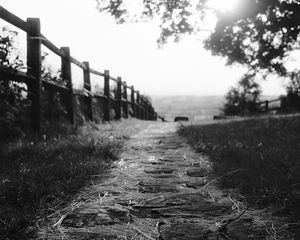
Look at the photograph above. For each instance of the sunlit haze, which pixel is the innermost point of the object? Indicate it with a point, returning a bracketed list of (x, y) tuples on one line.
[(130, 50), (224, 5)]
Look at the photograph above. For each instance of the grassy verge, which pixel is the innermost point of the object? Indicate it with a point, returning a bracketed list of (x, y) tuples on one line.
[(36, 175), (265, 150)]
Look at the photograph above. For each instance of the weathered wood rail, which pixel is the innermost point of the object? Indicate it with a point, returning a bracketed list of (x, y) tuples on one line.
[(140, 105)]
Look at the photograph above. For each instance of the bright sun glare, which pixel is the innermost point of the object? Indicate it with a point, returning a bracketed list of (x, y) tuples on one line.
[(223, 5)]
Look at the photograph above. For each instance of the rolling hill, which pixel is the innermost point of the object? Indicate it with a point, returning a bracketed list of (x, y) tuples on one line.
[(195, 107)]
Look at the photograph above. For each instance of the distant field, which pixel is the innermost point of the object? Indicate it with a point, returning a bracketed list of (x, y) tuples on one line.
[(265, 152), (197, 108)]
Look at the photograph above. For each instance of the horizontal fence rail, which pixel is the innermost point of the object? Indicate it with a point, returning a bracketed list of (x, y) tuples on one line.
[(120, 99), (265, 105)]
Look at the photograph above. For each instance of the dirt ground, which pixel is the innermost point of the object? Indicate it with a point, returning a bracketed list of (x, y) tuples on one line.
[(159, 189)]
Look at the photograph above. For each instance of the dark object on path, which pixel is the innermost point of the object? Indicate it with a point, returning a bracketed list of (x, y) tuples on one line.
[(178, 119), (162, 118), (219, 117)]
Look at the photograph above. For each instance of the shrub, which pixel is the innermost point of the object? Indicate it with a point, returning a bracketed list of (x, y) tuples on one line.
[(243, 99), (12, 100)]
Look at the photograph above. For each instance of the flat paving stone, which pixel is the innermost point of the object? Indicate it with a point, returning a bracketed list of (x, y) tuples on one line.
[(159, 170), (197, 172), (151, 186)]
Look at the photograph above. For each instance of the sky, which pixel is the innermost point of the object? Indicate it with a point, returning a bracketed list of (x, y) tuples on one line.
[(130, 50)]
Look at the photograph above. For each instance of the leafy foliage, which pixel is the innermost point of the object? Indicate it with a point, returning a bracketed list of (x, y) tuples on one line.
[(258, 33), (12, 100), (174, 15), (8, 55), (291, 102), (242, 99), (14, 104)]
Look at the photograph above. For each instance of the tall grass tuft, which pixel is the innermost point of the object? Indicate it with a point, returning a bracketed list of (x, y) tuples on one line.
[(37, 175), (267, 152)]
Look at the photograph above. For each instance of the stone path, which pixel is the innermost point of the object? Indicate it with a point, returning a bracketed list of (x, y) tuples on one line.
[(160, 189)]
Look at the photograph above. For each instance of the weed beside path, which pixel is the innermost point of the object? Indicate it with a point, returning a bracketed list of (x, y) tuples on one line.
[(38, 175), (266, 154)]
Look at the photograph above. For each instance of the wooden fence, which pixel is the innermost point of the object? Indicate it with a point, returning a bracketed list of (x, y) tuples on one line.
[(268, 105), (140, 105)]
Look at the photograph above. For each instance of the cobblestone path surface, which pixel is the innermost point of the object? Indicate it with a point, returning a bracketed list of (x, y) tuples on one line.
[(160, 189)]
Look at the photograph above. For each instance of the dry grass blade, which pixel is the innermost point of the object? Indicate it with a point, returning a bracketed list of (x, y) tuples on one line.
[(225, 175), (141, 232), (59, 222), (236, 206)]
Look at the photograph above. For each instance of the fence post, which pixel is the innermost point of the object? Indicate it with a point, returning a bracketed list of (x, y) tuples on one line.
[(148, 108), (67, 76), (142, 108), (132, 100), (151, 113), (266, 105), (87, 86), (34, 62), (119, 98), (125, 104), (145, 109), (107, 94), (138, 109)]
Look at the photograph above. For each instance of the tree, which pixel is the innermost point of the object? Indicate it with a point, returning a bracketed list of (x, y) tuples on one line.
[(8, 56), (12, 100), (174, 15), (243, 99), (259, 33), (291, 102)]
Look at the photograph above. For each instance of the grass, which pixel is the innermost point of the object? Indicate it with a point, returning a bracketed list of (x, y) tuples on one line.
[(36, 175), (265, 150)]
